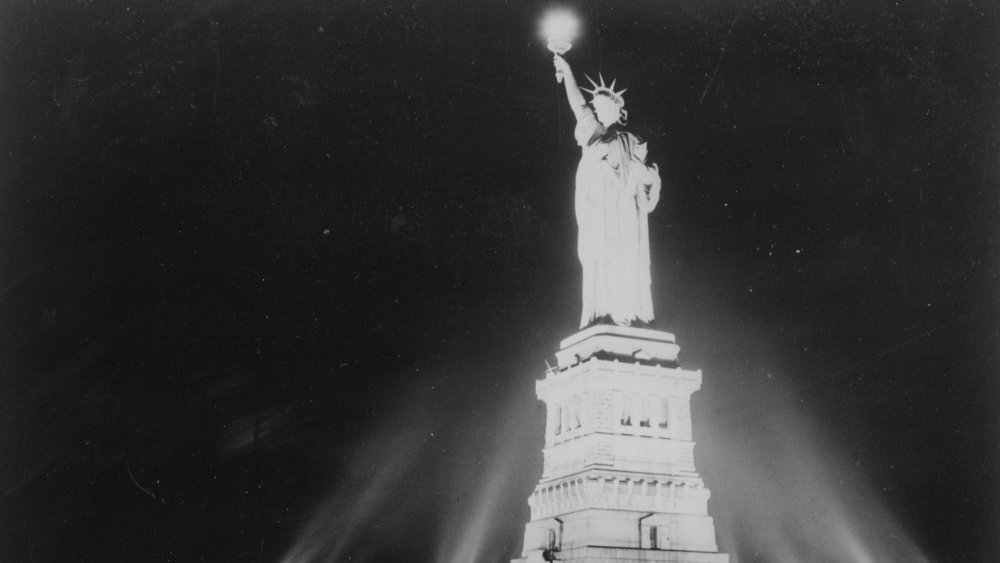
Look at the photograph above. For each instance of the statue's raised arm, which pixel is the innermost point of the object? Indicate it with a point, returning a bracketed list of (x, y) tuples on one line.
[(615, 190), (564, 74)]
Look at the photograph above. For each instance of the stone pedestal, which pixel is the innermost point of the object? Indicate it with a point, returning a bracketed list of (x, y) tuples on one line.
[(619, 482)]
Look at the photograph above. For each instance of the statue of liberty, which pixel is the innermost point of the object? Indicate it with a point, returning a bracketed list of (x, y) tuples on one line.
[(615, 190)]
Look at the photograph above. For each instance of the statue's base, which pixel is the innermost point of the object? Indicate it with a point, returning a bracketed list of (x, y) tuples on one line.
[(595, 554), (619, 482), (618, 342)]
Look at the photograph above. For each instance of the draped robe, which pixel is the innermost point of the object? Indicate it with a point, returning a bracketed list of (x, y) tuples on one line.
[(615, 190)]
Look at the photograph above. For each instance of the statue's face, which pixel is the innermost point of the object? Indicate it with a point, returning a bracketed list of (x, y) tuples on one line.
[(608, 112)]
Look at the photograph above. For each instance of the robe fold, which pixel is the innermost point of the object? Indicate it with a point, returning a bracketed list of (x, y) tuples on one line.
[(615, 190)]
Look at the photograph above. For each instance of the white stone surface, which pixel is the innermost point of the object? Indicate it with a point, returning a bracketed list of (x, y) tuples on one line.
[(615, 191), (630, 555), (619, 481), (620, 341)]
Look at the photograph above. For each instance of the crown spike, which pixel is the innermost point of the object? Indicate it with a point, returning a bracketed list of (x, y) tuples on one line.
[(603, 89)]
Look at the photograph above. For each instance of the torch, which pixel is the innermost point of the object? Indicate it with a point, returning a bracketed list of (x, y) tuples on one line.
[(559, 28)]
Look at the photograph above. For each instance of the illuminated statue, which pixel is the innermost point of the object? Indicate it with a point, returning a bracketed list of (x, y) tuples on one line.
[(615, 190)]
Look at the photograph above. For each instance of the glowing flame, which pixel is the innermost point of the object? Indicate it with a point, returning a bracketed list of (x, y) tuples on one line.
[(559, 28)]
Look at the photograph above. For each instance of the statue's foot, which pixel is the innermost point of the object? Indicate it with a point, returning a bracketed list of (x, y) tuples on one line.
[(609, 320), (640, 323), (601, 320)]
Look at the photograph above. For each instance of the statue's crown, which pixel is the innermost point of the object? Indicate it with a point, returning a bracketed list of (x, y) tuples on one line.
[(603, 89)]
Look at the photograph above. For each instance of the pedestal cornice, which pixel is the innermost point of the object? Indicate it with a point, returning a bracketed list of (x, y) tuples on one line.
[(618, 342)]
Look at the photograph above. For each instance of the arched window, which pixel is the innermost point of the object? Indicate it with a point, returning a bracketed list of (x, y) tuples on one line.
[(626, 418), (642, 410), (662, 413), (634, 410), (574, 418)]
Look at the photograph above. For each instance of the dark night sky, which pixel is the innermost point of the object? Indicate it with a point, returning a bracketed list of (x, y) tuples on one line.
[(276, 278)]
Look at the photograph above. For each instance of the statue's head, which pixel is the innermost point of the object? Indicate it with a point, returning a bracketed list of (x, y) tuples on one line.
[(608, 104)]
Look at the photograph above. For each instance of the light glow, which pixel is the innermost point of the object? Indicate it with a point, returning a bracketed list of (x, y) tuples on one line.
[(559, 27)]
